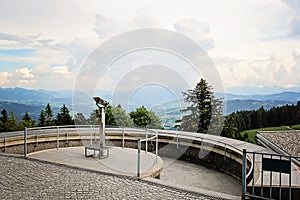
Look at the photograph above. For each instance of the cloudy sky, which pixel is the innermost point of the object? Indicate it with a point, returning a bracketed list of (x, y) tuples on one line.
[(252, 43)]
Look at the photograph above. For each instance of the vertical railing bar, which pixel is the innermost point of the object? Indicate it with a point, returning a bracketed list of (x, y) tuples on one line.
[(225, 152), (244, 168), (262, 178), (156, 147), (177, 141), (201, 150), (271, 180), (67, 137), (57, 137), (91, 137), (4, 143), (25, 142), (254, 155), (290, 182), (139, 157), (280, 182), (36, 138), (123, 139), (146, 150)]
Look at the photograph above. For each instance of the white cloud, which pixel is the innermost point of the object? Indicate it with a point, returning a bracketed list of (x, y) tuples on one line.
[(4, 79), (25, 73), (106, 27), (41, 76), (63, 71), (276, 70), (64, 34), (196, 30)]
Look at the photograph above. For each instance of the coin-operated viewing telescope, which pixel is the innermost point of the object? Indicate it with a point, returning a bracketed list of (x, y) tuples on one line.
[(101, 104)]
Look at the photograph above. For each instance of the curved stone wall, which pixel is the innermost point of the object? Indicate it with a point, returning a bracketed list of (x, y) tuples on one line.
[(212, 151)]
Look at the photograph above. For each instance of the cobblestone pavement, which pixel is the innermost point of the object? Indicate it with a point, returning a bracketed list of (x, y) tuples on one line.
[(28, 179), (289, 141)]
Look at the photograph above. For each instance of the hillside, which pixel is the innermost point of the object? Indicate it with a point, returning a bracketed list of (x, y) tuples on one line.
[(21, 100), (19, 109)]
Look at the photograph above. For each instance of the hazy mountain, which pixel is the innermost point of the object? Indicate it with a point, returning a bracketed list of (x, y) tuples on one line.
[(239, 105), (19, 109), (161, 101), (283, 96), (261, 90)]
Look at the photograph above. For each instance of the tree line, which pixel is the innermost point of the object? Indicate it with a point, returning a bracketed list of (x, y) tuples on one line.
[(246, 120), (204, 115), (114, 116)]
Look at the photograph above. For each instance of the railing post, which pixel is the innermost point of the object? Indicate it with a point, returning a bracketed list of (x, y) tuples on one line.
[(290, 181), (244, 168), (156, 147), (4, 143), (225, 152), (91, 138), (177, 141), (57, 137), (139, 158), (67, 138), (36, 138), (146, 148), (25, 142), (123, 139)]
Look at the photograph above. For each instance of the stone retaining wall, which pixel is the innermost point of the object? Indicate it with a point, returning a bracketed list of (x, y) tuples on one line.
[(213, 157)]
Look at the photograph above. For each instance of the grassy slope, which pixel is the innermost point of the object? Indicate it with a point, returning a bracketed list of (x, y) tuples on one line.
[(253, 132)]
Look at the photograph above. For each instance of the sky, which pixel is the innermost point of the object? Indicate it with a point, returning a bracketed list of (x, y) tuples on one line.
[(252, 43)]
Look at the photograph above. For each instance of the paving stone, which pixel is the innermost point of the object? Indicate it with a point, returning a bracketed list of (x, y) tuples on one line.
[(289, 141), (28, 179)]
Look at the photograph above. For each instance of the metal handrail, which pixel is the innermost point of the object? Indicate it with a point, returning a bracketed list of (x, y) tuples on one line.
[(130, 130), (146, 149)]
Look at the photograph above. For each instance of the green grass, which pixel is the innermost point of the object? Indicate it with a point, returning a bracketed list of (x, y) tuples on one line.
[(296, 127), (252, 133)]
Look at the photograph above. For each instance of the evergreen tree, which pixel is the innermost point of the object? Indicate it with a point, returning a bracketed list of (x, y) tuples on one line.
[(4, 121), (64, 117), (48, 115), (42, 119), (26, 117), (120, 117), (13, 123), (80, 119), (27, 122), (203, 110), (93, 118), (4, 118), (155, 121)]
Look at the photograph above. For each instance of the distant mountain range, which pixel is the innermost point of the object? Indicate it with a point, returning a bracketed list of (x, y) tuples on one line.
[(20, 100)]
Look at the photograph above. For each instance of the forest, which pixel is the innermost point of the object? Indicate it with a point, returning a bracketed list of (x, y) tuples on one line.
[(114, 116)]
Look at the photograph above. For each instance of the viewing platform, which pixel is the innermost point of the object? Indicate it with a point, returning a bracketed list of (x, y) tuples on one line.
[(120, 161)]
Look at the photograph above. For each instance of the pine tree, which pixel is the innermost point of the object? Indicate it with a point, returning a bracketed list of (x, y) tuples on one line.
[(93, 118), (27, 121), (4, 116), (80, 119), (204, 110), (64, 117), (116, 116), (26, 117), (155, 121), (49, 114), (42, 118)]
